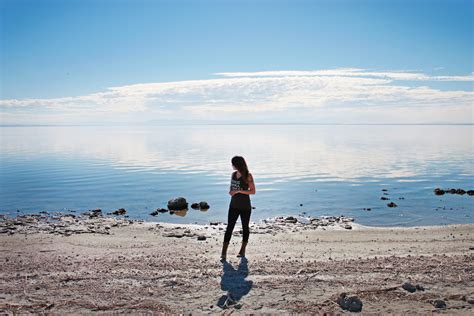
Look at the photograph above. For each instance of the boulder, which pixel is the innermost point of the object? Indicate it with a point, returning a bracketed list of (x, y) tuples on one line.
[(195, 206), (120, 211), (439, 191), (177, 204), (391, 204), (439, 304), (352, 303), (407, 286), (470, 192), (203, 205)]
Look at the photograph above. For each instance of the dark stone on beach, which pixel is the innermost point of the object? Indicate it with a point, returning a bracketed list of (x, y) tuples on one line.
[(120, 211), (203, 205), (94, 213), (352, 303), (439, 191), (420, 287), (201, 237), (439, 304), (347, 226), (177, 204), (470, 192), (195, 206), (409, 287), (291, 219), (214, 223), (470, 300), (384, 198), (391, 204)]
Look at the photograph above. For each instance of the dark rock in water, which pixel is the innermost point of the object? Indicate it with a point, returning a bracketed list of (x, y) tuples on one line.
[(460, 191), (301, 204), (384, 198), (195, 206), (352, 303), (409, 287), (201, 237), (439, 304), (439, 191), (420, 287), (177, 204), (120, 211), (161, 210), (470, 192), (291, 219), (384, 190), (367, 209), (203, 205), (94, 213), (154, 213), (452, 191), (253, 207), (391, 204)]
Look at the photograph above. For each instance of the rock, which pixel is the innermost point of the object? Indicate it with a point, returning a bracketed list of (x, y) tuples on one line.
[(94, 213), (154, 213), (384, 190), (161, 210), (384, 198), (348, 226), (195, 206), (409, 287), (301, 204), (177, 204), (470, 300), (439, 304), (352, 303), (460, 191), (452, 191), (120, 211), (203, 205), (214, 223), (291, 219), (439, 191), (391, 204), (201, 237), (420, 287)]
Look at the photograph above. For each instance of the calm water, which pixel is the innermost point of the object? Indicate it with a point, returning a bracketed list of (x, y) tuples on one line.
[(330, 170)]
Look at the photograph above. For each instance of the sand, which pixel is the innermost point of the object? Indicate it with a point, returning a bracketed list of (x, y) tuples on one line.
[(288, 268)]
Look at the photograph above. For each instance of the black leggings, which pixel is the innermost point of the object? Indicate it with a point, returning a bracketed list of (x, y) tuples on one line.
[(232, 218)]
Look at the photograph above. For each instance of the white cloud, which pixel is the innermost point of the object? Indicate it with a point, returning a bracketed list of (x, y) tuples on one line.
[(345, 95)]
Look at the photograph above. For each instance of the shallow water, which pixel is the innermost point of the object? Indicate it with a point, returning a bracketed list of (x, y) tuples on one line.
[(329, 169)]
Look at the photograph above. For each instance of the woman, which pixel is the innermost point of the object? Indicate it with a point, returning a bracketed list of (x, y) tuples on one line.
[(241, 186)]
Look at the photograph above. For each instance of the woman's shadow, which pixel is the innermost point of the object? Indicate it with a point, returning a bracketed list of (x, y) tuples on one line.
[(234, 283)]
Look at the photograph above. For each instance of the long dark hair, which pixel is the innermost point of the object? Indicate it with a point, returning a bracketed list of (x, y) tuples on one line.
[(239, 163)]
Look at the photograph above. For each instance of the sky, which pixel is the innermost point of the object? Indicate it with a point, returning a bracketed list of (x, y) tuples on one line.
[(152, 62)]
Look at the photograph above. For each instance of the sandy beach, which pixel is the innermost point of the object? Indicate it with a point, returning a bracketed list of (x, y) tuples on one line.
[(144, 267)]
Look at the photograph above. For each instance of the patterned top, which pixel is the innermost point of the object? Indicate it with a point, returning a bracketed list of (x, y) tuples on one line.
[(239, 200)]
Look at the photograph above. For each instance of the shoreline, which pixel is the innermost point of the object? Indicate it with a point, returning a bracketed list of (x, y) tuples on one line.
[(137, 267)]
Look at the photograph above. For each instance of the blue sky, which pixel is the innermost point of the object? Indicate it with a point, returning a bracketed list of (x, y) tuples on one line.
[(52, 50)]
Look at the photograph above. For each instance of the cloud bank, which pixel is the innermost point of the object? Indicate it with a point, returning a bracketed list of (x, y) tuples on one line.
[(344, 95)]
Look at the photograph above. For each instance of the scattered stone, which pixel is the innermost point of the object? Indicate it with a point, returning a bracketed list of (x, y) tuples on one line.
[(384, 190), (420, 287), (203, 205), (347, 226), (439, 304), (120, 211), (214, 223), (201, 238), (470, 300), (195, 206), (470, 192), (301, 204), (409, 287), (177, 204), (291, 219), (391, 204), (384, 198), (439, 191), (352, 303)]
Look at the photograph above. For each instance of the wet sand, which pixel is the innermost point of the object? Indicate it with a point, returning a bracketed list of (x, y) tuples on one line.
[(139, 267)]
